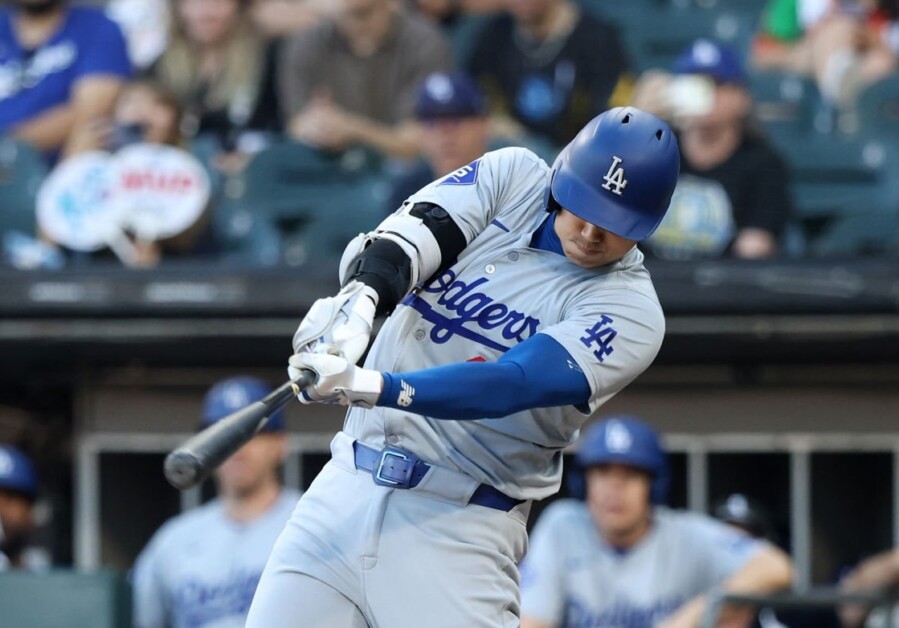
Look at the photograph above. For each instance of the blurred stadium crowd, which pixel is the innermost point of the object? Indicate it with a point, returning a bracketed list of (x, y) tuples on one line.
[(313, 119)]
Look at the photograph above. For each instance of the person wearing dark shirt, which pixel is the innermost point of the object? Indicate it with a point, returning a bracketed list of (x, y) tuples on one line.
[(548, 68), (733, 195), (452, 113), (222, 70)]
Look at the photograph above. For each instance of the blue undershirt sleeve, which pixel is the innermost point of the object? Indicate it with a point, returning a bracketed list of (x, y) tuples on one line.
[(537, 373)]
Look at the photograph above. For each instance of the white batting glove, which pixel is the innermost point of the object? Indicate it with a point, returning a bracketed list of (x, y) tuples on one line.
[(337, 380), (343, 321)]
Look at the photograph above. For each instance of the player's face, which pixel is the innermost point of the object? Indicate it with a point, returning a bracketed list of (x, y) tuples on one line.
[(140, 105), (587, 245), (618, 497), (450, 143), (15, 514), (252, 465), (208, 22)]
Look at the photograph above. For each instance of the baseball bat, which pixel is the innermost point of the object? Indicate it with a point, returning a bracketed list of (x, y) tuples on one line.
[(195, 459)]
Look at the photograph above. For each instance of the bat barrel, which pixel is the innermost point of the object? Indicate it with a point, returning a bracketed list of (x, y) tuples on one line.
[(194, 460)]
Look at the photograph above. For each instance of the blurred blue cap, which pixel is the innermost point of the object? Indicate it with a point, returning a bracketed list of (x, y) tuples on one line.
[(713, 60), (17, 472), (449, 95), (234, 393)]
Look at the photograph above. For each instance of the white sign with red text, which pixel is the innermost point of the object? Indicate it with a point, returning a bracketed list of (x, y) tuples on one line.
[(161, 190)]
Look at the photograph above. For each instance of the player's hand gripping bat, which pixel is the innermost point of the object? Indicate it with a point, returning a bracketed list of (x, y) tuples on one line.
[(195, 459)]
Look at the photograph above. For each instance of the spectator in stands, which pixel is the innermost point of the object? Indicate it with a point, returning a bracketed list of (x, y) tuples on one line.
[(353, 79), (619, 557), (144, 112), (548, 68), (18, 492), (201, 568), (877, 573), (452, 113), (844, 45), (60, 67), (733, 196), (222, 70)]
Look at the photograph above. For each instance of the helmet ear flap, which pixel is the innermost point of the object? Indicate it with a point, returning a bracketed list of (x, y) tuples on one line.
[(576, 482), (661, 484), (550, 203)]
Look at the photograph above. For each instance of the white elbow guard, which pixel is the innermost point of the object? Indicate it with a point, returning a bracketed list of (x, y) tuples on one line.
[(408, 232)]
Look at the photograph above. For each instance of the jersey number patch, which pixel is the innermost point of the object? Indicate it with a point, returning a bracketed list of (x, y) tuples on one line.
[(601, 336), (466, 175)]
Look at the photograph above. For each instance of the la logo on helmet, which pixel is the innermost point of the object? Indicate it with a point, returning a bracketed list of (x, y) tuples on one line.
[(618, 439), (614, 179)]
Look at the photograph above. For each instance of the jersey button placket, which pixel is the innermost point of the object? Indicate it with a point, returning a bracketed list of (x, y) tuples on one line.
[(513, 256)]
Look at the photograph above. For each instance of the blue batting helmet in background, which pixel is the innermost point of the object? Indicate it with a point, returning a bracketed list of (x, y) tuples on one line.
[(623, 440), (17, 472), (234, 393), (618, 173)]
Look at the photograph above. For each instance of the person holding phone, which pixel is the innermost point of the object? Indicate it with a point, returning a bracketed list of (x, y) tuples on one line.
[(733, 194)]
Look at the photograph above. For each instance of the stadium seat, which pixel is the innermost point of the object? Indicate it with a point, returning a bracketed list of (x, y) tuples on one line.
[(316, 201), (878, 109), (846, 193), (657, 42), (247, 239), (785, 104), (463, 34), (64, 598), (22, 169)]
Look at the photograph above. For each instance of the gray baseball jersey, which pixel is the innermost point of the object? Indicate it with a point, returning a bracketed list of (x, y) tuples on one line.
[(356, 553), (201, 568), (572, 577), (501, 292)]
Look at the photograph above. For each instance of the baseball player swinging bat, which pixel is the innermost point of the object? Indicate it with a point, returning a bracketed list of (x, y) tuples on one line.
[(194, 460)]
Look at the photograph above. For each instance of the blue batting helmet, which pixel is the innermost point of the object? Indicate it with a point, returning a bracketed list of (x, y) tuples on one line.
[(618, 173), (17, 472), (623, 440), (234, 393)]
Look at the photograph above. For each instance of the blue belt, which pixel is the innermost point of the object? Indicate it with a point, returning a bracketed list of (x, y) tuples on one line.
[(396, 468)]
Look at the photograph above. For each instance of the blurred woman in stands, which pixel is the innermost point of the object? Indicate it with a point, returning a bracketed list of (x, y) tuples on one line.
[(845, 45), (221, 69)]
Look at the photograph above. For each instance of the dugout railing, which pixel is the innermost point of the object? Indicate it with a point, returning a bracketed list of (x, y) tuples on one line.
[(808, 600)]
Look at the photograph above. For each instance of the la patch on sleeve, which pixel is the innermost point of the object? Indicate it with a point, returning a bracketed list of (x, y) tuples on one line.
[(466, 175)]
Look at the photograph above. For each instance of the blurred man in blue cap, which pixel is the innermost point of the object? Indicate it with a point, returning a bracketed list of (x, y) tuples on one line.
[(201, 568), (733, 195), (18, 491), (452, 113)]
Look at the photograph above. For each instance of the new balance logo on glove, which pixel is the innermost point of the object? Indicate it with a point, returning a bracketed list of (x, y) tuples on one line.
[(405, 397)]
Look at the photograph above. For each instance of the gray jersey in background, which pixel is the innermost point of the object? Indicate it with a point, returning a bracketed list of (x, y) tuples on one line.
[(572, 578), (501, 292), (201, 568)]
